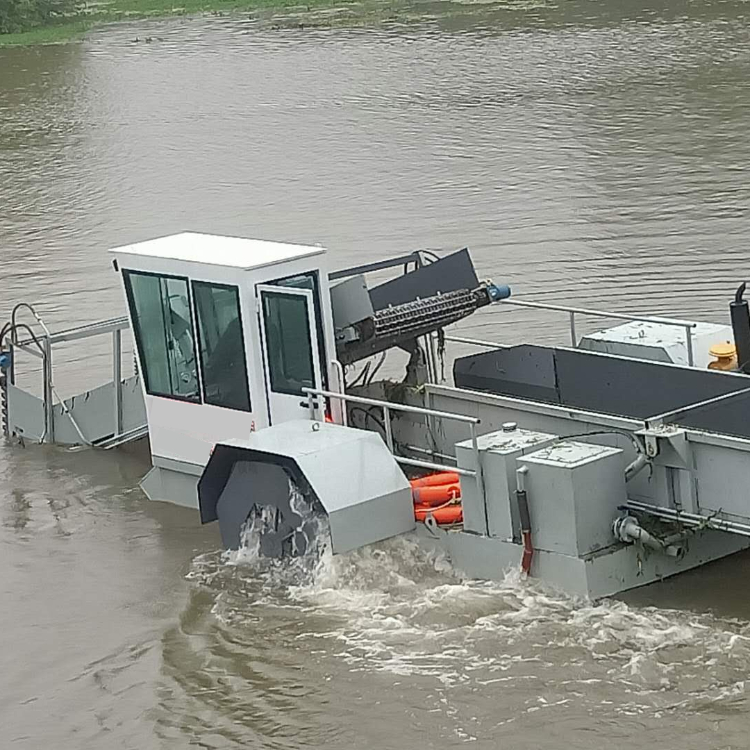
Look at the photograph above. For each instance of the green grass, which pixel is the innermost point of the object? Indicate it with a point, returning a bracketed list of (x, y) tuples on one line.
[(122, 10), (56, 34)]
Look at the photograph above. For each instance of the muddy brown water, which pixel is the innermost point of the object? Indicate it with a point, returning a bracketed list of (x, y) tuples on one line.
[(585, 154)]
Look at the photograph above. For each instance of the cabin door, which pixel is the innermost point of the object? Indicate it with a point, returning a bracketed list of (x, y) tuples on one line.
[(291, 359)]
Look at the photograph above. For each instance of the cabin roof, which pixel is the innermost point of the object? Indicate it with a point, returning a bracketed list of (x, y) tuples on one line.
[(217, 250)]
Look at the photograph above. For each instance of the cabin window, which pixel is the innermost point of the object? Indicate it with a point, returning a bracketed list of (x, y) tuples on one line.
[(221, 345), (160, 309), (288, 345), (309, 280)]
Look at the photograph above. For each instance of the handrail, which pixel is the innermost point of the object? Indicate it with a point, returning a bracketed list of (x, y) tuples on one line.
[(601, 313), (391, 405), (339, 368), (435, 467), (573, 311), (113, 326), (343, 273), (659, 419), (387, 407), (690, 519), (82, 332), (34, 313), (45, 350), (92, 329), (476, 342)]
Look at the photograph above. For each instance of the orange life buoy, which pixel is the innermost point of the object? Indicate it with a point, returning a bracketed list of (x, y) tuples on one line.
[(435, 495), (449, 514), (435, 480)]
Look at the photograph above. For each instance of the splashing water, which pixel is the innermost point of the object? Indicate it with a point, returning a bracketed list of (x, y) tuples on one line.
[(395, 611), (310, 539)]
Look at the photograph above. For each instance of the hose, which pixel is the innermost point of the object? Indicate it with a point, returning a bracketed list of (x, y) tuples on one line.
[(376, 369), (611, 431), (629, 531), (360, 377), (636, 466), (633, 468), (525, 520), (368, 413)]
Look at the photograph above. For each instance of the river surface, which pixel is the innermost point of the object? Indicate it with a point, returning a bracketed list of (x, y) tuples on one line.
[(586, 154)]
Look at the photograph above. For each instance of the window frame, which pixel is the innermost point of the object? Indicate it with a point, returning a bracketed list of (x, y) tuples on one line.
[(199, 354), (288, 293), (132, 309), (314, 277)]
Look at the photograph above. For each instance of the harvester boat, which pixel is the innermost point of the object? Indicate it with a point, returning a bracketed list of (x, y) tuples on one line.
[(600, 466)]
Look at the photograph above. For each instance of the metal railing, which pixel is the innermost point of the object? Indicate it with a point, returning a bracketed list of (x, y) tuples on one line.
[(573, 311), (670, 417), (388, 407), (115, 327), (712, 521), (476, 342), (41, 347)]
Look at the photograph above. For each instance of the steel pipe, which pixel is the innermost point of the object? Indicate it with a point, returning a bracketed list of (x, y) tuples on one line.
[(628, 530)]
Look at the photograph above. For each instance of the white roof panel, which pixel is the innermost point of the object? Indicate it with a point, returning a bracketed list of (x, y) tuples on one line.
[(217, 250)]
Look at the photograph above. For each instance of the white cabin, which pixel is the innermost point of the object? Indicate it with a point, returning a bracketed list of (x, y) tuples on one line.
[(229, 331)]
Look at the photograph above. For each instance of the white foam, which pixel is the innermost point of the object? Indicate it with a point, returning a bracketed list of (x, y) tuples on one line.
[(394, 608)]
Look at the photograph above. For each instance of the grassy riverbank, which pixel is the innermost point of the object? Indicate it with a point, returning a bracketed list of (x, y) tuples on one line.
[(109, 11), (54, 34)]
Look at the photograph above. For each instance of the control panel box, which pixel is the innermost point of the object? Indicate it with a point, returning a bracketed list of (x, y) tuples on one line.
[(574, 490), (496, 514)]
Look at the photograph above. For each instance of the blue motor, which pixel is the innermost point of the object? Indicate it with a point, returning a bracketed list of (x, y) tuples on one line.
[(498, 292)]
